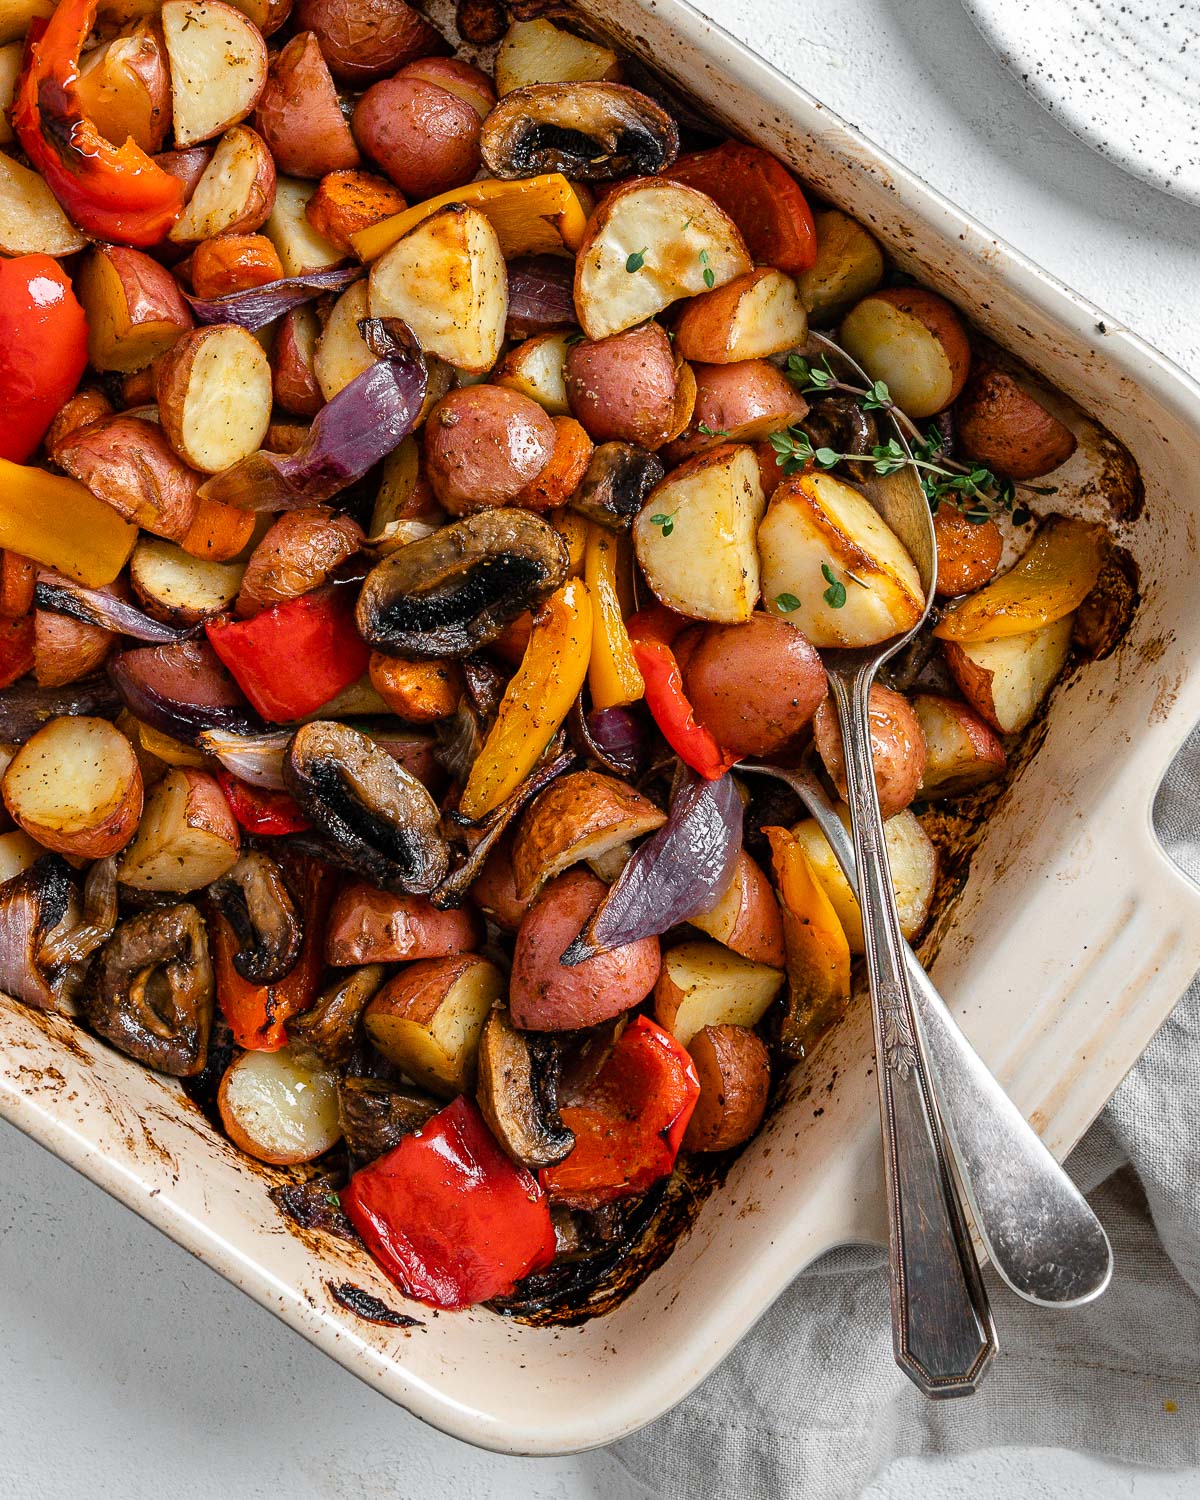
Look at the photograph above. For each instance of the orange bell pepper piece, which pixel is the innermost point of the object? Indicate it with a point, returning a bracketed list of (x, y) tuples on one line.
[(613, 675), (818, 955)]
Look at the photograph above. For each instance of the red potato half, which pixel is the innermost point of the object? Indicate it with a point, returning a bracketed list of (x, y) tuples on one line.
[(483, 445), (370, 926), (755, 686), (462, 79), (962, 752), (423, 137), (747, 917), (1007, 680), (128, 463), (180, 589), (31, 219), (897, 748), (134, 307), (367, 39), (297, 555), (429, 1018), (341, 353), (915, 342), (546, 996), (299, 245), (267, 15), (707, 984), (447, 279), (279, 1108), (293, 376), (999, 424), (695, 536), (738, 403), (676, 241), (187, 838), (628, 388), (214, 396), (299, 114), (64, 650), (218, 67), (75, 787), (750, 317), (734, 1071), (185, 166), (537, 51), (236, 193), (125, 88), (537, 369)]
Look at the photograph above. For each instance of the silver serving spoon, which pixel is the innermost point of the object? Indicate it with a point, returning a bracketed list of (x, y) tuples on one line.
[(942, 1332), (1040, 1235)]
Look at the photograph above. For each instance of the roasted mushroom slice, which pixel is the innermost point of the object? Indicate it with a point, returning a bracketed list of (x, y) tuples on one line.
[(376, 1116), (330, 1028), (378, 816), (254, 899), (592, 132), (453, 592), (32, 904), (150, 990), (518, 1093), (840, 423), (619, 478)]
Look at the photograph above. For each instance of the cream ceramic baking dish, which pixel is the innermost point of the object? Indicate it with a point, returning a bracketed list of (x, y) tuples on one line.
[(1067, 946)]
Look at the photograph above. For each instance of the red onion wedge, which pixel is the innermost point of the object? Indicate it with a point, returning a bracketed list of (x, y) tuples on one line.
[(181, 689), (94, 607), (253, 758), (96, 925), (25, 707), (615, 737), (257, 306), (679, 872), (541, 295), (31, 905), (351, 433)]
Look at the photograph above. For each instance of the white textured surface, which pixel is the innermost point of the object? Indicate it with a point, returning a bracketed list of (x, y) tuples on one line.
[(126, 1368)]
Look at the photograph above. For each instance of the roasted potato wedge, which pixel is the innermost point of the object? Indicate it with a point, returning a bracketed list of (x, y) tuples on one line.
[(293, 355), (187, 837), (279, 1108), (178, 588), (746, 918), (127, 462), (897, 747), (64, 650), (483, 445), (818, 525), (741, 402), (341, 353), (31, 218), (537, 51), (849, 266), (648, 244), (134, 307), (1007, 680), (299, 245), (236, 193), (577, 818), (214, 396), (218, 67), (629, 388), (299, 114), (537, 369), (1000, 424), (734, 1070), (694, 537), (962, 752), (368, 39), (297, 554), (446, 278), (428, 1019), (707, 984), (125, 88), (75, 787), (422, 136), (370, 926), (915, 342), (750, 317)]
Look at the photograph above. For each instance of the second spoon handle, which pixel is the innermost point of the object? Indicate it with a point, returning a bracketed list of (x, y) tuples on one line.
[(1039, 1232), (941, 1328)]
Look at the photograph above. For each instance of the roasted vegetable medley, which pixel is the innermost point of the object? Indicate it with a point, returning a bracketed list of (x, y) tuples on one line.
[(420, 491)]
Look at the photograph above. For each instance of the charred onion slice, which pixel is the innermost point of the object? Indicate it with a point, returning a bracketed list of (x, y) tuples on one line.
[(254, 899), (379, 817), (32, 904), (455, 591), (518, 1093), (591, 132), (150, 990)]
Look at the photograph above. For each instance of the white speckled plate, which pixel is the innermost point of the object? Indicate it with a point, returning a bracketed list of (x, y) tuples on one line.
[(1123, 75)]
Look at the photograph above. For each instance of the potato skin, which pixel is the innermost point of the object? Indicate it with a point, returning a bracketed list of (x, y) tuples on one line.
[(1001, 425), (545, 996), (297, 554), (494, 891), (483, 445), (898, 748), (744, 401), (129, 463), (968, 554), (755, 686), (299, 116), (734, 1070), (623, 388), (422, 136), (64, 650), (370, 926), (362, 40), (293, 380)]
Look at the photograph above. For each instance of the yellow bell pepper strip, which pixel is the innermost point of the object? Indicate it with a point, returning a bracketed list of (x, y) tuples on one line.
[(613, 676), (59, 522), (532, 216), (573, 528), (818, 955), (536, 701)]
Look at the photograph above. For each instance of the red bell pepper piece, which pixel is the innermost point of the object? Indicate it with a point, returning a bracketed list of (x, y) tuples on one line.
[(258, 1013), (761, 197), (43, 349), (630, 1121), (259, 810), (16, 649), (651, 633), (448, 1217), (112, 193), (291, 658)]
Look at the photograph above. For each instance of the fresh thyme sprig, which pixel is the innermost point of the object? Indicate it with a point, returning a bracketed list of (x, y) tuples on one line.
[(976, 490)]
